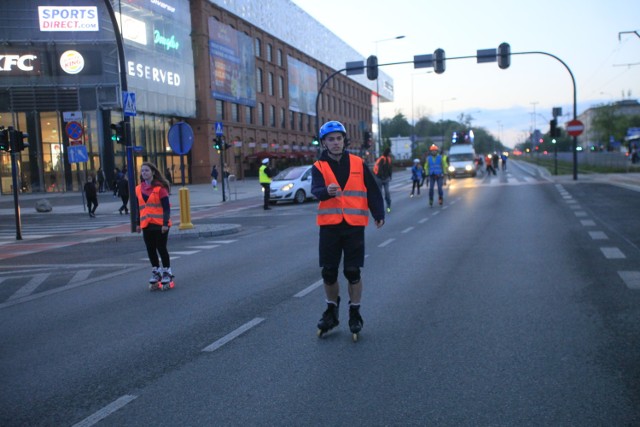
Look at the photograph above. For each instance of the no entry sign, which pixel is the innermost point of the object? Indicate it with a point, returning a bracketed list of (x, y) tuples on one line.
[(575, 127)]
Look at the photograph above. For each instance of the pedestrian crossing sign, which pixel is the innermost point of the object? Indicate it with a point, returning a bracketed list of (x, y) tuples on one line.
[(129, 103)]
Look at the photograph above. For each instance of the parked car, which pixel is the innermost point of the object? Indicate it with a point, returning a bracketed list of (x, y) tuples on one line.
[(292, 184)]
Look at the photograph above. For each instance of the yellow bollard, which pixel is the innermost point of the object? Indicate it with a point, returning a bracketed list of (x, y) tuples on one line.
[(185, 210)]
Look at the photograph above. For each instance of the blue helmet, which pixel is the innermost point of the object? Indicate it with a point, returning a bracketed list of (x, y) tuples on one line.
[(332, 126)]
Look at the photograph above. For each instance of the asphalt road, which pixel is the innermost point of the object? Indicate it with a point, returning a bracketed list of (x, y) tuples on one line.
[(516, 303)]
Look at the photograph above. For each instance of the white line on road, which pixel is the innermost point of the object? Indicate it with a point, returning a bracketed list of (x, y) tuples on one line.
[(309, 289), (204, 247), (612, 253), (435, 213), (580, 214), (406, 230), (232, 335), (106, 411), (631, 279), (31, 286), (80, 276), (587, 222), (184, 252), (423, 220), (385, 243), (598, 235), (223, 241)]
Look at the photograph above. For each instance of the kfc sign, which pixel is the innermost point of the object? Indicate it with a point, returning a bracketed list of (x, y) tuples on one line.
[(68, 18), (19, 64)]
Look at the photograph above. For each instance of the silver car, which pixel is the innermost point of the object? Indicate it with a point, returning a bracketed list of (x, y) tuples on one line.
[(292, 184)]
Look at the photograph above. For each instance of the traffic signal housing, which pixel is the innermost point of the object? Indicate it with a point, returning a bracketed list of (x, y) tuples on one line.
[(372, 67), (367, 140), (117, 130), (18, 140), (4, 139), (504, 56), (217, 143), (438, 61), (553, 128)]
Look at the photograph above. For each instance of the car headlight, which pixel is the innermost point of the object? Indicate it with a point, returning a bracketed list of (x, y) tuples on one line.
[(287, 187), (452, 169), (468, 168)]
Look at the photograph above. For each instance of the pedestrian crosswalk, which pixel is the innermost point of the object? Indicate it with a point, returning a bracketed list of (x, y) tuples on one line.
[(36, 228)]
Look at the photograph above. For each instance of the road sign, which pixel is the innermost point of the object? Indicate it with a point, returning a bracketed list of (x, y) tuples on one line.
[(69, 116), (575, 127), (75, 142), (77, 154), (129, 103), (219, 129), (74, 130), (181, 138)]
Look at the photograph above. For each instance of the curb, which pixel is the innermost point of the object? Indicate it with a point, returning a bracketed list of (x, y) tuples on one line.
[(207, 230)]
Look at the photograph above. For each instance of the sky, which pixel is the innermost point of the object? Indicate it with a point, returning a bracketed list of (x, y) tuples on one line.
[(594, 38)]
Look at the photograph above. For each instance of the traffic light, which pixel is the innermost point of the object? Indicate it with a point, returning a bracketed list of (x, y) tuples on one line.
[(315, 142), (504, 56), (438, 61), (117, 132), (367, 140), (217, 143), (372, 67), (18, 138), (4, 139), (553, 128)]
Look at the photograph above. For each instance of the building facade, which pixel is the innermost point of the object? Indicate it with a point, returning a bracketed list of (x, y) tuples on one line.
[(220, 66)]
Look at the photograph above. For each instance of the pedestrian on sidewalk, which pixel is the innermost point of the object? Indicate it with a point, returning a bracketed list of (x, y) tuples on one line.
[(91, 193), (154, 220), (123, 191), (383, 171), (347, 191), (214, 177), (102, 179), (265, 173)]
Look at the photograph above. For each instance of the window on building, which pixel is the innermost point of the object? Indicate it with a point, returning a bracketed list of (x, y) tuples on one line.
[(258, 48), (269, 52), (272, 116), (300, 121), (235, 112), (280, 87), (292, 122), (259, 84), (271, 84), (261, 113), (283, 118), (279, 57), (219, 110), (248, 115)]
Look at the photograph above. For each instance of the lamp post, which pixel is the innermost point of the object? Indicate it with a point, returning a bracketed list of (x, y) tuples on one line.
[(533, 142), (378, 92), (442, 101)]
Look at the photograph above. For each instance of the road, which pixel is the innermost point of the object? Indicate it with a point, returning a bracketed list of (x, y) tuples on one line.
[(516, 303)]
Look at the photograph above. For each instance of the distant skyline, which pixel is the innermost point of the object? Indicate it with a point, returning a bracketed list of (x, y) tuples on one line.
[(584, 34)]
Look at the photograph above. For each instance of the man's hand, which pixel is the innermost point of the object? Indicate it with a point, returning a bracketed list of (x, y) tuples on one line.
[(380, 223), (332, 189)]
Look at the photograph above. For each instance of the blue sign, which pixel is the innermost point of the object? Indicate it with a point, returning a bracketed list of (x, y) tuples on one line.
[(129, 103), (77, 154), (181, 138), (219, 129)]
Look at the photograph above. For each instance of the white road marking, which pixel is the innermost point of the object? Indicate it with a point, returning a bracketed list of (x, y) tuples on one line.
[(406, 230), (385, 243), (223, 241), (184, 252), (309, 289), (580, 214), (31, 286), (423, 220), (106, 411), (587, 222), (204, 247), (598, 235), (232, 335), (80, 276), (612, 253), (631, 279)]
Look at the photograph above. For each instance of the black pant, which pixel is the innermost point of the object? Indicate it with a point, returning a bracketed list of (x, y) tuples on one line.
[(92, 201), (267, 193), (125, 200), (156, 242)]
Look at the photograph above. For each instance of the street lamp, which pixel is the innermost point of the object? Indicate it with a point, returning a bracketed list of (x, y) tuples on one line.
[(378, 90)]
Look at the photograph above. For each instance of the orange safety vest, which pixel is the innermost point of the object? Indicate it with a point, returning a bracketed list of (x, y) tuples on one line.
[(351, 203), (151, 210)]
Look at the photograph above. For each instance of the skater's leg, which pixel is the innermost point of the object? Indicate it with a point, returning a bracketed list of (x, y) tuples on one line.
[(150, 239), (331, 285), (355, 284)]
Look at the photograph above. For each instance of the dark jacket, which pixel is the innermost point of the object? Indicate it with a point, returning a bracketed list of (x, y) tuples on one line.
[(341, 170)]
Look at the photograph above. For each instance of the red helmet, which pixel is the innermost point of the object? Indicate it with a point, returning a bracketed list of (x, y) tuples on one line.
[(433, 147)]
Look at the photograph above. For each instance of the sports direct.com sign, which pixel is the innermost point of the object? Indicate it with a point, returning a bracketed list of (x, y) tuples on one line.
[(68, 18)]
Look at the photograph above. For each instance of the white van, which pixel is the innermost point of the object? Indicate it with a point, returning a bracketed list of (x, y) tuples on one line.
[(462, 160)]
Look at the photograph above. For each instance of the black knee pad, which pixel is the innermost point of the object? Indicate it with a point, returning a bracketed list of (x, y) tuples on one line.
[(329, 275), (352, 275)]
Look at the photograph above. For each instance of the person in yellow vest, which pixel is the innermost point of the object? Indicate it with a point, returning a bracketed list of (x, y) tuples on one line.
[(347, 191), (265, 173), (154, 220)]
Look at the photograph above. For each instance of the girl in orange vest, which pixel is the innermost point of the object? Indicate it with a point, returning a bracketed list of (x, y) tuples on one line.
[(154, 219)]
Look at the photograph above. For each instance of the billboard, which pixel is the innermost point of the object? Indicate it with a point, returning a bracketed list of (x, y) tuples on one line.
[(303, 87), (233, 65)]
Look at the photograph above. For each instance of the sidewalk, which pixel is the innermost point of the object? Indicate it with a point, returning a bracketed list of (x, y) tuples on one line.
[(201, 197)]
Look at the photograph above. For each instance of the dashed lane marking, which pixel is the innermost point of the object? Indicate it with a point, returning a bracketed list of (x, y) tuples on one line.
[(598, 235), (587, 222), (406, 230), (580, 214), (612, 253), (106, 411), (423, 220), (385, 243), (309, 289), (30, 287), (631, 279), (234, 334)]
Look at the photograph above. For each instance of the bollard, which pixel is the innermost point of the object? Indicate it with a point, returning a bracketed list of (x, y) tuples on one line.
[(185, 210)]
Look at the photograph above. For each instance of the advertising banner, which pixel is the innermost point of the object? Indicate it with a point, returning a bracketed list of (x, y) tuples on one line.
[(232, 61), (303, 87)]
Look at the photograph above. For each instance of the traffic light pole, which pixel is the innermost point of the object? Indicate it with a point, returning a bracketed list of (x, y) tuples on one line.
[(128, 142), (14, 180)]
